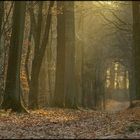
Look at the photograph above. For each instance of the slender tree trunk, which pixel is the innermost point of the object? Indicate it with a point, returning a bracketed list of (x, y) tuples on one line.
[(27, 56), (82, 75), (49, 57), (1, 16), (34, 87), (38, 58), (1, 47), (112, 80), (132, 85)]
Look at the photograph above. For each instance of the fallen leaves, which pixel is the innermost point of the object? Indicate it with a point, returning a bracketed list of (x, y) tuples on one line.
[(54, 123)]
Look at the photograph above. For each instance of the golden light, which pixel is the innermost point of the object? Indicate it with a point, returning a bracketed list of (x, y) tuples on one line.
[(108, 3)]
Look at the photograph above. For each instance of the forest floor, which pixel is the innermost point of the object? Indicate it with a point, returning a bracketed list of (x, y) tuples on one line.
[(54, 123)]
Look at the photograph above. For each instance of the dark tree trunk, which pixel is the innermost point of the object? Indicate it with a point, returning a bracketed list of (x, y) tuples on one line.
[(136, 47), (60, 66), (12, 97), (34, 85), (1, 47), (131, 87), (1, 16), (38, 57), (70, 93), (65, 69)]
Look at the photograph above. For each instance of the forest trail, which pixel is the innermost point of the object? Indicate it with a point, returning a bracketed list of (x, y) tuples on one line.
[(67, 123), (114, 106)]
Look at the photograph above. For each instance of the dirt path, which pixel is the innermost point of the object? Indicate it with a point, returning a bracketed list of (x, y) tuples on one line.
[(115, 106)]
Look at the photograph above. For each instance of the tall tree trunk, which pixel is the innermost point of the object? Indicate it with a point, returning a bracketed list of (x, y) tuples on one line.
[(38, 58), (28, 56), (112, 80), (136, 47), (132, 81), (65, 68), (12, 98), (1, 46), (124, 82), (60, 66), (49, 71), (82, 73), (131, 86), (1, 16), (70, 94)]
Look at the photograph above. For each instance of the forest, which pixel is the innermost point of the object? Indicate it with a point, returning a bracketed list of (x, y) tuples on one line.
[(69, 69)]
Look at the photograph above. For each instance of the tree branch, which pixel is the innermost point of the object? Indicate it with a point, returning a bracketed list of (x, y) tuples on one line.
[(115, 24)]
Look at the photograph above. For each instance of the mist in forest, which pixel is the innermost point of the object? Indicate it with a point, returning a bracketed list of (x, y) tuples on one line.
[(69, 69), (106, 39), (67, 55)]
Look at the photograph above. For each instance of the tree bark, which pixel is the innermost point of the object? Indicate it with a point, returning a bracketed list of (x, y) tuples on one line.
[(38, 58), (65, 95), (1, 16), (136, 45), (12, 95)]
